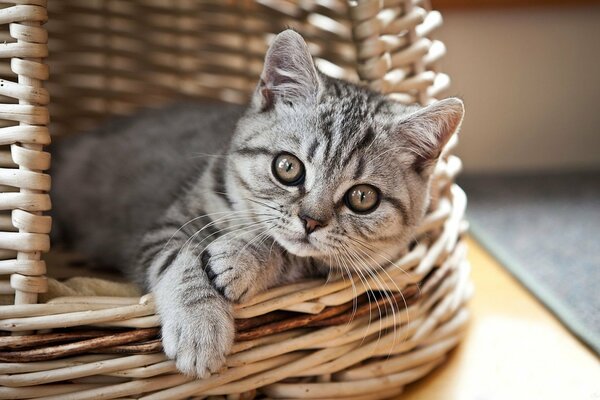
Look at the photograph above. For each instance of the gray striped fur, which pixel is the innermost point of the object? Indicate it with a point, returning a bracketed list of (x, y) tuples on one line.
[(184, 200)]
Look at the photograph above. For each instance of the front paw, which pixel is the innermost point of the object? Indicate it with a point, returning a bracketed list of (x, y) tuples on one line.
[(232, 273), (199, 338)]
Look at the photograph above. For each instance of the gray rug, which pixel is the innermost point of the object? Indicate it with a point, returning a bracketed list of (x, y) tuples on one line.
[(545, 229)]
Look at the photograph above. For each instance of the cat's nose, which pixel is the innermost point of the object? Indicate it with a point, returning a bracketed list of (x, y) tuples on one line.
[(311, 224)]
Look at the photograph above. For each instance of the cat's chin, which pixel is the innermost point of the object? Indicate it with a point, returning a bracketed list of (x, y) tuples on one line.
[(299, 247)]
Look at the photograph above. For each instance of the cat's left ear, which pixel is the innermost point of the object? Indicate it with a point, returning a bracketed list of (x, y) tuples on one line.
[(289, 73), (429, 129)]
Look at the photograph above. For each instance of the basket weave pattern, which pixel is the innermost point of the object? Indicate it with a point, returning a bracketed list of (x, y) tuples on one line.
[(312, 339)]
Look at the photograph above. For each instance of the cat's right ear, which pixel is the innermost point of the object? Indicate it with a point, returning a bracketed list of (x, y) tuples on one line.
[(429, 129), (289, 74)]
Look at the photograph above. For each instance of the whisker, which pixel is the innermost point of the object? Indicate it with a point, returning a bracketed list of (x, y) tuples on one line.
[(376, 251), (243, 230), (228, 219), (388, 297), (278, 208), (250, 242), (243, 226), (379, 253), (264, 204), (192, 236), (391, 280), (272, 244), (229, 214), (354, 291), (364, 279), (364, 283), (254, 226)]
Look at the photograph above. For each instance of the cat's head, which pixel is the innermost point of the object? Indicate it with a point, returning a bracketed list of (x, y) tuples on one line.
[(347, 168)]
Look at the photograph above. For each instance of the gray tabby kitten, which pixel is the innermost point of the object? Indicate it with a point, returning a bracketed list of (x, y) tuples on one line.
[(319, 174)]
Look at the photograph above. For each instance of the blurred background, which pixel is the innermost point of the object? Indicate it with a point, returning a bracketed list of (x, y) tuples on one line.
[(529, 74), (530, 143)]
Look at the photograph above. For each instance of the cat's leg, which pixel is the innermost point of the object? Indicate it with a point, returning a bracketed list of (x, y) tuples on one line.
[(197, 322), (194, 285)]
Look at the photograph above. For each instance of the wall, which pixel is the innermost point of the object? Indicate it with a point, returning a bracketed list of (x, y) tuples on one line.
[(530, 78)]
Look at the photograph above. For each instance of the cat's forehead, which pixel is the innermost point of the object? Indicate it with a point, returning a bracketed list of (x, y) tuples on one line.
[(341, 132), (348, 133)]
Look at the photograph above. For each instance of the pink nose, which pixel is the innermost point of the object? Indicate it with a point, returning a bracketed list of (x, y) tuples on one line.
[(311, 224)]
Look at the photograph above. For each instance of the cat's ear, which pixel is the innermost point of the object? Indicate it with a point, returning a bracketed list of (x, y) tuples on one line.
[(429, 129), (289, 73)]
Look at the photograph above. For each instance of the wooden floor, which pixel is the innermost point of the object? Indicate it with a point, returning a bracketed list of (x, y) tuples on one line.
[(514, 348)]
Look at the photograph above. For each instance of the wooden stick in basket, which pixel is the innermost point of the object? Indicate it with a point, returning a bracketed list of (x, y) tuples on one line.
[(63, 350), (291, 323), (330, 316), (23, 342), (152, 346)]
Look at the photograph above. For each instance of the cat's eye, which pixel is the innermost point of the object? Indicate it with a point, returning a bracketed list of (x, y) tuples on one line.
[(288, 169), (362, 198)]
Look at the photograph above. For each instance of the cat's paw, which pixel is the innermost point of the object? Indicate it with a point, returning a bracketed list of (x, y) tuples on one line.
[(199, 338), (232, 272)]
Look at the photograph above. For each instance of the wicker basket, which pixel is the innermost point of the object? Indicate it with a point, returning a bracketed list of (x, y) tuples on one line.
[(307, 340)]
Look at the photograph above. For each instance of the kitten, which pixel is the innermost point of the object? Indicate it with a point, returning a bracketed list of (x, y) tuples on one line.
[(319, 173)]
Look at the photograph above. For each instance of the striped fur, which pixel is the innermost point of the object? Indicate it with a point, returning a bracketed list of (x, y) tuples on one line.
[(230, 229)]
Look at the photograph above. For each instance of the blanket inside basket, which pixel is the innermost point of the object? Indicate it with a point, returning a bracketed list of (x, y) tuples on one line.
[(82, 286)]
